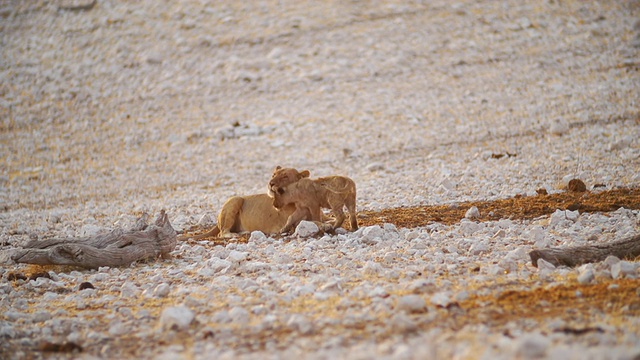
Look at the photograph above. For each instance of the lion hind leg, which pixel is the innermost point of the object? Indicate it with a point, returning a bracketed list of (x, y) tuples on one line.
[(229, 216), (350, 203), (339, 214)]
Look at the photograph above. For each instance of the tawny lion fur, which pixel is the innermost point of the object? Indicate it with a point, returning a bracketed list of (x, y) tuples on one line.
[(288, 186), (248, 213)]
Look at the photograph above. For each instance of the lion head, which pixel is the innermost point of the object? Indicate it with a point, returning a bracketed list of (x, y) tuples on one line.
[(284, 176)]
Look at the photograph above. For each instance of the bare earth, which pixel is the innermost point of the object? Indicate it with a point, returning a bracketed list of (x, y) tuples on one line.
[(113, 109)]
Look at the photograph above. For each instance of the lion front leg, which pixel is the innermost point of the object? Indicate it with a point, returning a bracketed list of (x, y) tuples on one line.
[(294, 219)]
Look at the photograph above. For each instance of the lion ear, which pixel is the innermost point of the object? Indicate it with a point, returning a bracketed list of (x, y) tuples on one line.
[(304, 173), (278, 167)]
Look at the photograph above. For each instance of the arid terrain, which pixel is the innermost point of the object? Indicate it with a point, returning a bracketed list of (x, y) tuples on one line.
[(111, 109)]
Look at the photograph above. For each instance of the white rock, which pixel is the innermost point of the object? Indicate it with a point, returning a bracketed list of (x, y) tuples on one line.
[(402, 323), (13, 315), (389, 228), (422, 285), (468, 227), (479, 248), (118, 328), (586, 274), (611, 260), (48, 296), (7, 330), (412, 304), (176, 318), (257, 236), (542, 243), (332, 286), (239, 315), (622, 268), (153, 58), (302, 290), (390, 257), (533, 346), (375, 167), (379, 291), (462, 296), (91, 230), (306, 229), (41, 316), (372, 234), (499, 234), (221, 317), (217, 264), (129, 289), (162, 290), (205, 221), (256, 266), (300, 323), (508, 265), (442, 299), (545, 265), (180, 222), (372, 268), (411, 235), (557, 217), (560, 217), (472, 213), (282, 258), (275, 53), (495, 270), (572, 215), (237, 256), (448, 185)]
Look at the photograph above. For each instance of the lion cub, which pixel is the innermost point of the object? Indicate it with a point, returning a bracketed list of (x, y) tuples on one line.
[(288, 186)]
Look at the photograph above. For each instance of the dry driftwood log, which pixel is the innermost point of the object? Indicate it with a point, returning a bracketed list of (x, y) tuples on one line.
[(627, 248), (116, 248)]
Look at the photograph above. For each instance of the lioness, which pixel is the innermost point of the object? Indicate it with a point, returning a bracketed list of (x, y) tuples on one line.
[(289, 186), (248, 213)]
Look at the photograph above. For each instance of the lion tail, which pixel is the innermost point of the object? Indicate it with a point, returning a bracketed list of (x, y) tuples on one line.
[(211, 233)]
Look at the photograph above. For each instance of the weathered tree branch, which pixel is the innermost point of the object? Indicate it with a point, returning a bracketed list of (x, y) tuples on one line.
[(627, 248), (117, 248)]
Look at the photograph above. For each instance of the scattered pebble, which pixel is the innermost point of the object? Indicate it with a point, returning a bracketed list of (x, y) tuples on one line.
[(176, 318), (622, 268), (162, 290), (533, 346), (472, 213), (576, 185), (412, 304), (586, 274), (306, 229)]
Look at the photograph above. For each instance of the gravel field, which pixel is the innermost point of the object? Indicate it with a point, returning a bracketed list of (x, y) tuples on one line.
[(125, 107)]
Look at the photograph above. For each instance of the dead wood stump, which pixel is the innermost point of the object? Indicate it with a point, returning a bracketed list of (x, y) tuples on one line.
[(627, 248), (117, 248)]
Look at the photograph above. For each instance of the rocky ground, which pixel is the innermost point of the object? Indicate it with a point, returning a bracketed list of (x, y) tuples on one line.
[(118, 108)]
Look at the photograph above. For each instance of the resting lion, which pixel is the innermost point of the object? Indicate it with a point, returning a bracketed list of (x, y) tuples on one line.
[(288, 186), (248, 213)]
